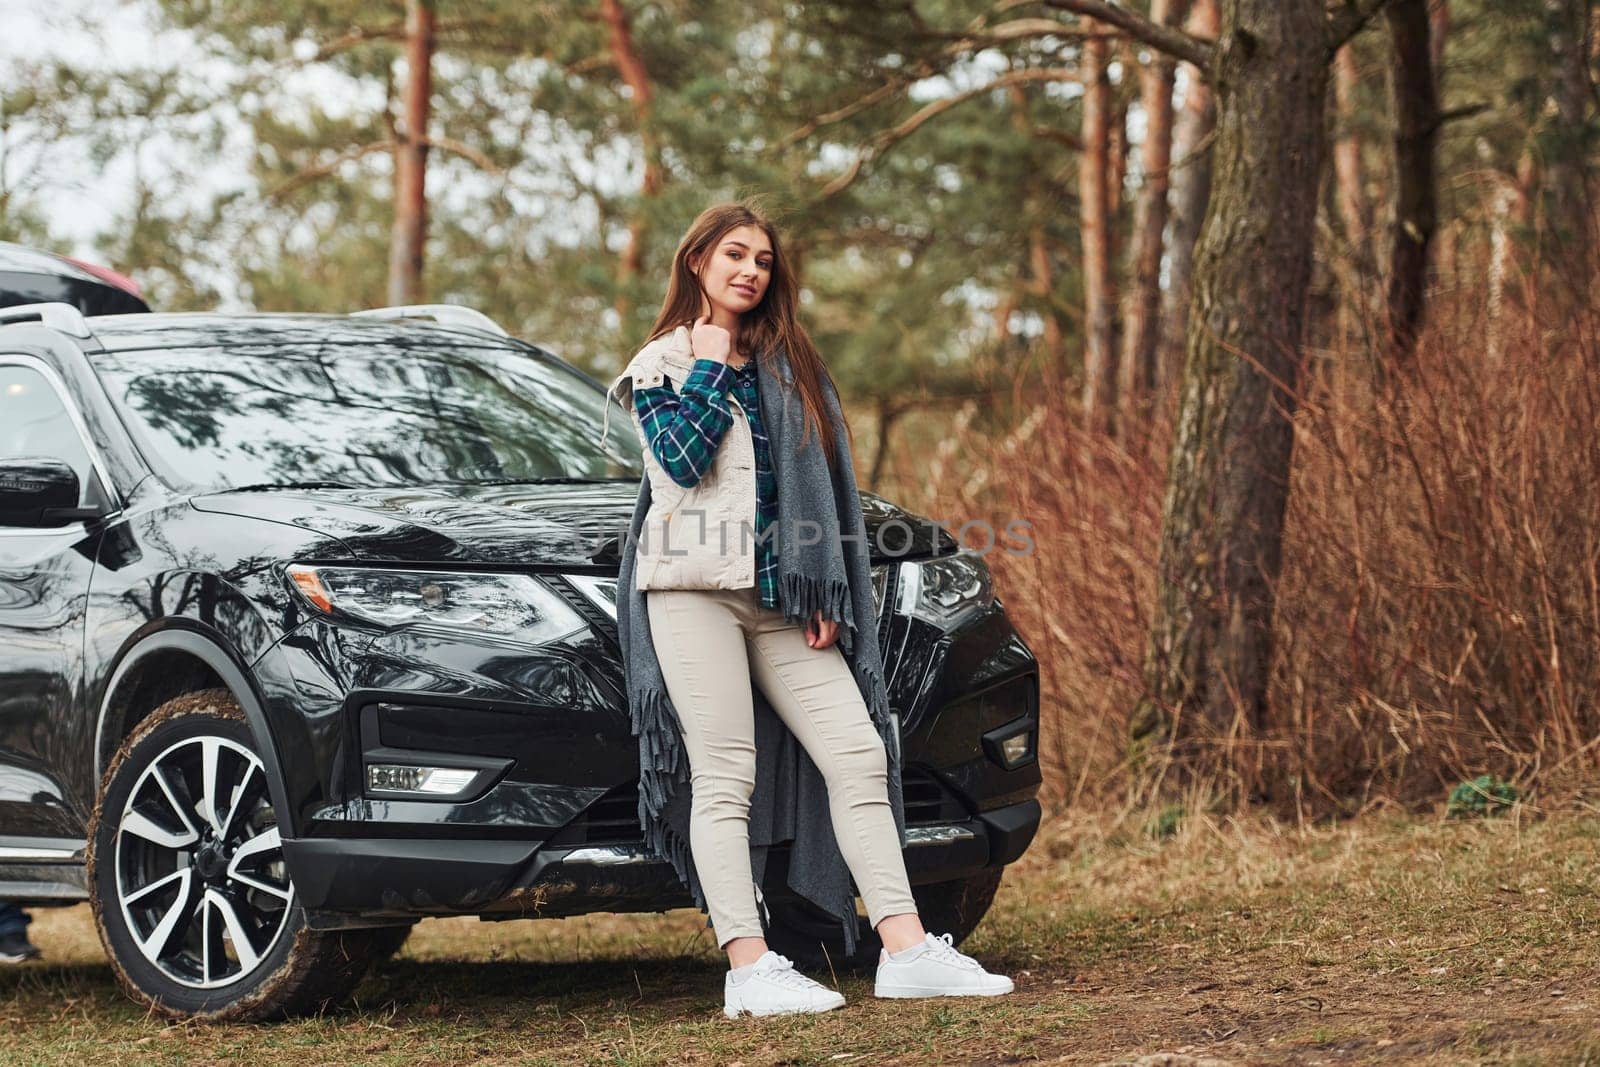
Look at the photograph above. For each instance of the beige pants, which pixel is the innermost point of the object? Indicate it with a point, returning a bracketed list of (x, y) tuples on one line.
[(711, 644)]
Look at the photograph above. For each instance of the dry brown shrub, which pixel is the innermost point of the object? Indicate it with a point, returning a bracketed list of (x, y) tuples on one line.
[(1439, 604)]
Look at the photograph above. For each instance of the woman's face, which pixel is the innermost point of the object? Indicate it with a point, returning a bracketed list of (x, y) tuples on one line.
[(737, 269)]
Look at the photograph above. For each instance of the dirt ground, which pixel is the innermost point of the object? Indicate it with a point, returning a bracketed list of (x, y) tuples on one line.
[(1411, 940)]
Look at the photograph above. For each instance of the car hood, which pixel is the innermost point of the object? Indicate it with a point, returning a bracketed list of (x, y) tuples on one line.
[(555, 525)]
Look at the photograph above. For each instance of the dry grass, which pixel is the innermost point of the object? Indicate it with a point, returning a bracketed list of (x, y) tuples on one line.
[(1080, 593), (1439, 605), (1406, 939)]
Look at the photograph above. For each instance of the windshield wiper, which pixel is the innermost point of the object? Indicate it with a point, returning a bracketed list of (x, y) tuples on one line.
[(258, 486), (553, 480)]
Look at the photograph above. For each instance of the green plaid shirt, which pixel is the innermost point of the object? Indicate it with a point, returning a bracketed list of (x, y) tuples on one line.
[(684, 430)]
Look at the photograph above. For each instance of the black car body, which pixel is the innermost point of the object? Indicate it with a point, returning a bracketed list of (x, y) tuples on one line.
[(446, 605)]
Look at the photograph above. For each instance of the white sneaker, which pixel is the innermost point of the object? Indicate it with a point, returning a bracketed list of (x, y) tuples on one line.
[(937, 970), (774, 987)]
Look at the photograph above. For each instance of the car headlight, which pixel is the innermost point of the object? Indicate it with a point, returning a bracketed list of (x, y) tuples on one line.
[(510, 607), (947, 590)]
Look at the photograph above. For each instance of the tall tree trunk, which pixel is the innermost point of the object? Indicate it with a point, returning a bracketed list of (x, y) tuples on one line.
[(1350, 182), (630, 66), (1002, 316), (1356, 271), (1416, 117), (1094, 205), (1439, 33), (1043, 286), (1210, 647), (1191, 192), (411, 160), (1116, 157), (1512, 208), (1566, 174), (888, 413), (1116, 183), (1141, 319), (1040, 282)]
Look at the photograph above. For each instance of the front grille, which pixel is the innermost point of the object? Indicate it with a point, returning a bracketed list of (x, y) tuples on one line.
[(885, 584), (928, 800), (613, 819)]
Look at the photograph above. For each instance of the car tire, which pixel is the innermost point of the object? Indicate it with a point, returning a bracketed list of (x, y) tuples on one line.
[(810, 937), (187, 881)]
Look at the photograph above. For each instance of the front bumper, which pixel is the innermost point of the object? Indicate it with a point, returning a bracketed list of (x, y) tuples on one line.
[(340, 881)]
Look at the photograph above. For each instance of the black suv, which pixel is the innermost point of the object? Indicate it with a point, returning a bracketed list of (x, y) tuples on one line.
[(307, 631)]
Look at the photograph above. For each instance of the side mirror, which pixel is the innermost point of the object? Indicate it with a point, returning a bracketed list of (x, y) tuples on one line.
[(40, 492)]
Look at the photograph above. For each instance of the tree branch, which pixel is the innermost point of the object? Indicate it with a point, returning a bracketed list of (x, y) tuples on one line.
[(1014, 30), (1169, 39), (1465, 111), (885, 139), (958, 44), (360, 35), (964, 42), (587, 64), (1350, 20), (1060, 137), (322, 170), (887, 89), (465, 151)]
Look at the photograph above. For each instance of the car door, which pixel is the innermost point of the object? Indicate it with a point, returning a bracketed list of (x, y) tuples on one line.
[(44, 583)]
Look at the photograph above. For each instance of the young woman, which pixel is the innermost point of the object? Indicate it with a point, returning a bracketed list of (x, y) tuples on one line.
[(715, 622)]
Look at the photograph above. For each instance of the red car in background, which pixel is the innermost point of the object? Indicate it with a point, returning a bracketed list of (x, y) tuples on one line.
[(29, 276)]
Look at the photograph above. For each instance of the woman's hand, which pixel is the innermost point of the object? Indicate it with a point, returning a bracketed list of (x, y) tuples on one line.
[(820, 632), (710, 341)]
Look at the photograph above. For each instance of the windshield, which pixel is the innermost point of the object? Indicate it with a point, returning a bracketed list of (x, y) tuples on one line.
[(365, 415)]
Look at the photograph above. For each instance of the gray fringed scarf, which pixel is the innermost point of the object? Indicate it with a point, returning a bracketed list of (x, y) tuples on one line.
[(829, 572)]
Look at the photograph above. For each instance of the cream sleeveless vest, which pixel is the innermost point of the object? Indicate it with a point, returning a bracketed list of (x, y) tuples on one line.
[(702, 537)]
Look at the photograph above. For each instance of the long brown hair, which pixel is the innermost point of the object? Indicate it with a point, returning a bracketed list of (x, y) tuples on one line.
[(768, 325)]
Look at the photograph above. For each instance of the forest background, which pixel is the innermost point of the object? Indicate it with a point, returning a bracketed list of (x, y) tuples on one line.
[(1274, 319)]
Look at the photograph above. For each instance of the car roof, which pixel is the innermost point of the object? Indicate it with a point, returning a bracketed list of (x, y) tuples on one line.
[(31, 276), (15, 257), (123, 333)]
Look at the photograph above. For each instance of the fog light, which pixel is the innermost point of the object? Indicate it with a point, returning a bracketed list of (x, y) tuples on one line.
[(1013, 744), (1017, 747), (435, 781)]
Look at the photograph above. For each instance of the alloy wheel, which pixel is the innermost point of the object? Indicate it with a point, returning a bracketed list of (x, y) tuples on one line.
[(200, 874)]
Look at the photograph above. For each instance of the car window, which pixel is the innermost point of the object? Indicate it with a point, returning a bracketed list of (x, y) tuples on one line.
[(363, 414), (35, 423)]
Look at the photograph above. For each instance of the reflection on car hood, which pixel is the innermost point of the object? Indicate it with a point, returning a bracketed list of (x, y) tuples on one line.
[(506, 525)]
